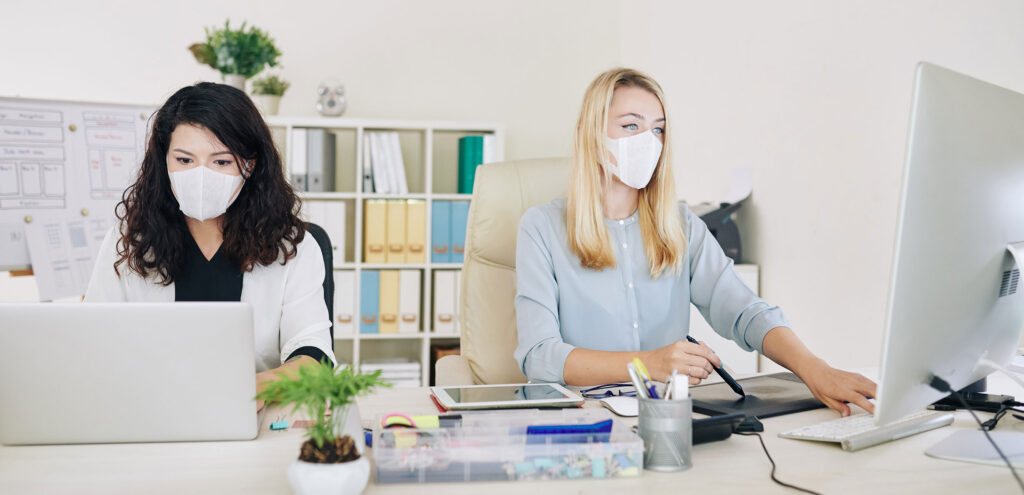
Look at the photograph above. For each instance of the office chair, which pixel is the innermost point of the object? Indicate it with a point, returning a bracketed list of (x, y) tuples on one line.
[(501, 194), (326, 250)]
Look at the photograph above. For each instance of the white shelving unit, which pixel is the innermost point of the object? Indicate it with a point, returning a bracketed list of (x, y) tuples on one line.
[(441, 159)]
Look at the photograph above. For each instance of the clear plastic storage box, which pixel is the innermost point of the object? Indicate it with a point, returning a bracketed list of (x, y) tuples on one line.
[(510, 445)]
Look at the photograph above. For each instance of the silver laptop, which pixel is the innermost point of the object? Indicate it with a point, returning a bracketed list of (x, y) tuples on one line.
[(126, 372)]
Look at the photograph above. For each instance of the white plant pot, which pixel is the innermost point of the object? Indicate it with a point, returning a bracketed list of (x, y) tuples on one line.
[(308, 478), (346, 478), (235, 80), (268, 104)]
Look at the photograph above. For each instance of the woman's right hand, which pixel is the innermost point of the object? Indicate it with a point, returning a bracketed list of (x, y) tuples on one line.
[(687, 358)]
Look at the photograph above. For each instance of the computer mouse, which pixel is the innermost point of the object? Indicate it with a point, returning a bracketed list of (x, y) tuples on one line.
[(622, 406)]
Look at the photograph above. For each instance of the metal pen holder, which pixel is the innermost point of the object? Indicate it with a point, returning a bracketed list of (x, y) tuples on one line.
[(667, 431)]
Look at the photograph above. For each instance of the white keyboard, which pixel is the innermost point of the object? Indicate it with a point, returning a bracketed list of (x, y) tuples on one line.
[(859, 431)]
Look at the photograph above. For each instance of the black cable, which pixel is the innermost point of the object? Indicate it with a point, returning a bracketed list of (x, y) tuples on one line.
[(943, 386), (787, 485)]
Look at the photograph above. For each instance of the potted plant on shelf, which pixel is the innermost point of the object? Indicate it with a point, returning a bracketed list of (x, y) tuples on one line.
[(237, 53), (267, 92), (329, 460)]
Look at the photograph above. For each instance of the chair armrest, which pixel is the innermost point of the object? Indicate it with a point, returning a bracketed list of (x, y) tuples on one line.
[(452, 370)]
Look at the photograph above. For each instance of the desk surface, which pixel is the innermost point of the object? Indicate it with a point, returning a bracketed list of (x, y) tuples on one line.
[(737, 465)]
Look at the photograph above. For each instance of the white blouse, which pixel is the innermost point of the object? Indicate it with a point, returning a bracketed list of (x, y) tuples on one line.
[(287, 300)]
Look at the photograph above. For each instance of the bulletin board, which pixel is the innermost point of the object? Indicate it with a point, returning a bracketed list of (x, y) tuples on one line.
[(66, 161)]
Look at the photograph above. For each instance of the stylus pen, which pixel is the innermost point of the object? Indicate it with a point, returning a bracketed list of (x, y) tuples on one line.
[(724, 374)]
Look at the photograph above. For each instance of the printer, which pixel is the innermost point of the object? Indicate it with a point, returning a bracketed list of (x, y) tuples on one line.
[(718, 217)]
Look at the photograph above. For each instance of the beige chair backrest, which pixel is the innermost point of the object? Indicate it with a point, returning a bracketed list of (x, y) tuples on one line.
[(502, 192)]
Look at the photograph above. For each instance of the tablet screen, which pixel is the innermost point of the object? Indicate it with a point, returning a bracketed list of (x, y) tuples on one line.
[(504, 393)]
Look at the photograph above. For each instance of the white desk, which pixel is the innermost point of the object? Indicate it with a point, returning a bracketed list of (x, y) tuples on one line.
[(736, 465)]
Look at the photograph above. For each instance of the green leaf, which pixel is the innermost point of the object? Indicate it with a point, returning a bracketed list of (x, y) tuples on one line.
[(317, 388), (242, 51)]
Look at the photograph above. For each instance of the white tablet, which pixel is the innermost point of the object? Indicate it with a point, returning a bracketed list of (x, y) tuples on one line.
[(525, 395)]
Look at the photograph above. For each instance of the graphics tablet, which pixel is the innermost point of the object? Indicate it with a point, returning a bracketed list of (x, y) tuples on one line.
[(526, 395), (767, 396)]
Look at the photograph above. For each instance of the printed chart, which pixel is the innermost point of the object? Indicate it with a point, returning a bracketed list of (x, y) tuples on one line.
[(63, 162)]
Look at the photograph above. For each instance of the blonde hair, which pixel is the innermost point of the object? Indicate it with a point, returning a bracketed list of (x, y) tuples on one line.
[(661, 226)]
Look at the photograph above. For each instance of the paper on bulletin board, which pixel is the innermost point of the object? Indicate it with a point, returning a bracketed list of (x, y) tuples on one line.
[(63, 253)]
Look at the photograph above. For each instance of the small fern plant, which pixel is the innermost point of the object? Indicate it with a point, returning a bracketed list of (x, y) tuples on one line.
[(315, 390)]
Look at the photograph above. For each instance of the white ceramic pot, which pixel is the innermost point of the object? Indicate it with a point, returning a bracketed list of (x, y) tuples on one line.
[(235, 80), (308, 478), (345, 478), (268, 104)]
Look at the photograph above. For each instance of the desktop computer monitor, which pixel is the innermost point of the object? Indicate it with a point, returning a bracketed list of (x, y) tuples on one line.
[(956, 303)]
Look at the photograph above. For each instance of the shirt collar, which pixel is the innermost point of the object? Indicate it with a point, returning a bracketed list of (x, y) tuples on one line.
[(625, 221)]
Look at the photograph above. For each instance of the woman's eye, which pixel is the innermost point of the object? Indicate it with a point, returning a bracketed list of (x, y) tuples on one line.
[(184, 161), (659, 130), (223, 163), (630, 127)]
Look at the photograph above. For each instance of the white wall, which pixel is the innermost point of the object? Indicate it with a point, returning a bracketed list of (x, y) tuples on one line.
[(816, 97), (521, 62)]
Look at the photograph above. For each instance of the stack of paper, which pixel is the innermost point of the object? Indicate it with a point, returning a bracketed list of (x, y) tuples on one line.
[(383, 167), (399, 372)]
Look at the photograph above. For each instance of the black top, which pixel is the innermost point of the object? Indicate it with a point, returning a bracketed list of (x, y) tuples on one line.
[(218, 279)]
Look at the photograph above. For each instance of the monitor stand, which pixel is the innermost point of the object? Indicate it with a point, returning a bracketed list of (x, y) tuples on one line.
[(972, 446)]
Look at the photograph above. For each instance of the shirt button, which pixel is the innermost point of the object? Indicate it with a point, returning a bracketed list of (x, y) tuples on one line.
[(624, 245), (636, 325), (631, 285), (621, 222)]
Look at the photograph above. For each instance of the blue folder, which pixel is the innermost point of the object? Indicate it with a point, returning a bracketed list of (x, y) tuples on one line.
[(460, 215), (440, 232), (369, 302)]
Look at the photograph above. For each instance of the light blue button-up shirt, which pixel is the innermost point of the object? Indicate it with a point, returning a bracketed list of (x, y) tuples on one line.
[(560, 305)]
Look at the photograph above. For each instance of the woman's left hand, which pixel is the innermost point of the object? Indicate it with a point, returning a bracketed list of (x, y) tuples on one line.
[(837, 387)]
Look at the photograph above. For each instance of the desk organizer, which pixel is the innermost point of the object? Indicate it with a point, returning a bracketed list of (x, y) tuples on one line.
[(502, 446)]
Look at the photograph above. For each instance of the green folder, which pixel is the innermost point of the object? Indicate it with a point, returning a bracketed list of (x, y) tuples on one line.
[(471, 155)]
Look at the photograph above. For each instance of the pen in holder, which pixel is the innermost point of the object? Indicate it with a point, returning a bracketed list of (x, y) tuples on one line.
[(666, 429)]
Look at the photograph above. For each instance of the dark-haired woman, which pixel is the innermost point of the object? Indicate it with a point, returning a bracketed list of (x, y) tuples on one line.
[(212, 218)]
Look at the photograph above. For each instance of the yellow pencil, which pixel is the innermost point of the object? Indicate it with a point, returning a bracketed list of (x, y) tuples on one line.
[(641, 368)]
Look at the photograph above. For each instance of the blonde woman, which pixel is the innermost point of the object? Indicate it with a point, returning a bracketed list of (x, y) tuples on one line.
[(608, 273)]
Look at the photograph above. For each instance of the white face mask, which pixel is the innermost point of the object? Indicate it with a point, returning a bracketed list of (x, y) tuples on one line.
[(204, 194), (637, 157)]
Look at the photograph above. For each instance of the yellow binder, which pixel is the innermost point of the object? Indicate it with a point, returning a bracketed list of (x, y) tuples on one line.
[(396, 231), (415, 232), (374, 231), (389, 301)]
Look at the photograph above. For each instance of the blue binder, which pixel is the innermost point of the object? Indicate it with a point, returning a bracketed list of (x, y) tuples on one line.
[(440, 232), (460, 215), (369, 302)]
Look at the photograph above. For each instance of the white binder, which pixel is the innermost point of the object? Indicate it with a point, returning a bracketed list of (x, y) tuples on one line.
[(444, 302), (298, 160), (331, 216), (344, 302), (333, 221), (409, 301)]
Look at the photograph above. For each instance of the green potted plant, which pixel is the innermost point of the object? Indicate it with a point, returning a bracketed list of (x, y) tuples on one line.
[(329, 460), (267, 92), (237, 53)]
